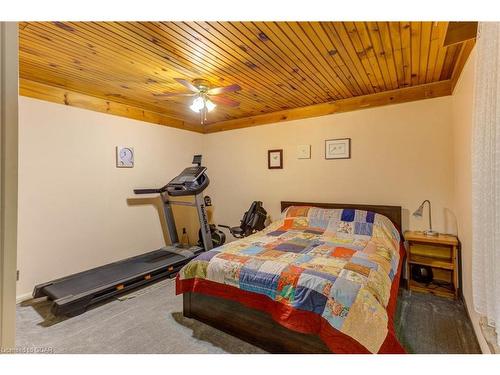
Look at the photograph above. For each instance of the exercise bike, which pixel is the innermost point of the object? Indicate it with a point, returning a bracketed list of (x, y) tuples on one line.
[(218, 236), (253, 221)]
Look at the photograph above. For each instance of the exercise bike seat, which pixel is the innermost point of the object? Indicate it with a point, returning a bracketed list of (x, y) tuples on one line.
[(237, 230)]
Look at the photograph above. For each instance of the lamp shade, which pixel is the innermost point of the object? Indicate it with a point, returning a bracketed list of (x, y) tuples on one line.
[(419, 211)]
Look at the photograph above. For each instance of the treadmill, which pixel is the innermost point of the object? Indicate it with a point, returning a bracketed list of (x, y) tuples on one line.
[(72, 295)]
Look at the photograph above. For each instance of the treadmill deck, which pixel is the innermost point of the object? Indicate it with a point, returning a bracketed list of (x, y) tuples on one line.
[(112, 278)]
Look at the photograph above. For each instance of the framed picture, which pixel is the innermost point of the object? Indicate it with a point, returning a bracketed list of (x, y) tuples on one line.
[(275, 159), (304, 152), (338, 148)]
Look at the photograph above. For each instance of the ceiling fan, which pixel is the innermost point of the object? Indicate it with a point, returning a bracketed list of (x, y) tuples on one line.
[(205, 96)]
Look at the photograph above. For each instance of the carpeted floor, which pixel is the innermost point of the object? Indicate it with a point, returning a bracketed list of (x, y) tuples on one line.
[(150, 321), (433, 325)]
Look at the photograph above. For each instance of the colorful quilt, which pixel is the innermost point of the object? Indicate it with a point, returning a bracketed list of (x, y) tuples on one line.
[(336, 263)]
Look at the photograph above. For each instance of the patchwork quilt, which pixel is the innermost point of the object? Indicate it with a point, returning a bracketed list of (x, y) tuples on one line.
[(336, 263)]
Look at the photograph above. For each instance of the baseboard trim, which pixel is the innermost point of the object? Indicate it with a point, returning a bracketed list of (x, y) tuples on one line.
[(489, 335), (23, 297), (462, 298)]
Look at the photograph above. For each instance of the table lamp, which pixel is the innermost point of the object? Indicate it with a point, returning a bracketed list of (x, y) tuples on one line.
[(419, 212)]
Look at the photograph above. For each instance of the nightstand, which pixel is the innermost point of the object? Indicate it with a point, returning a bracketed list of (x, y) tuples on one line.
[(441, 254)]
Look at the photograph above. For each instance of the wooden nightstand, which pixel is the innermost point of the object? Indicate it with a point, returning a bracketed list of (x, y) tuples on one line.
[(441, 254)]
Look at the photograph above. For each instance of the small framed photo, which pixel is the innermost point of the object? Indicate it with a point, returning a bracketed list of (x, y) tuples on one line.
[(304, 152), (275, 159), (338, 148)]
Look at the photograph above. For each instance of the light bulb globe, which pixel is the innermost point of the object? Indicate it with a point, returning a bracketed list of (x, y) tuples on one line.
[(197, 105), (210, 105)]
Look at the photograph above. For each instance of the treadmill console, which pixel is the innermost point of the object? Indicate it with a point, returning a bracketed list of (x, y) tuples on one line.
[(190, 174), (191, 181)]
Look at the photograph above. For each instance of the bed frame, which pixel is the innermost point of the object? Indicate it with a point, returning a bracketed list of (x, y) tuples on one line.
[(256, 327)]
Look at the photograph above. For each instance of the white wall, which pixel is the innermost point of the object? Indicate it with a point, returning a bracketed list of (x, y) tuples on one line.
[(73, 209), (401, 155), (462, 110)]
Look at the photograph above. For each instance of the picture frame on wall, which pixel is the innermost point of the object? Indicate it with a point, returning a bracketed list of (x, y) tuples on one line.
[(275, 159), (339, 148)]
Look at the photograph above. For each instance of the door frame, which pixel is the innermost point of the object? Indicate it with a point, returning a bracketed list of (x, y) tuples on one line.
[(9, 82)]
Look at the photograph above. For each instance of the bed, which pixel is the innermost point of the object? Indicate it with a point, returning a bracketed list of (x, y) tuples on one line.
[(322, 279)]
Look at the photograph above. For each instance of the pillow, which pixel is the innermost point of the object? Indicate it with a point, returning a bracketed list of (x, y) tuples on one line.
[(320, 217)]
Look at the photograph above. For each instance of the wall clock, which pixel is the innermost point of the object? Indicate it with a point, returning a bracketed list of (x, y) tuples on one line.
[(124, 157)]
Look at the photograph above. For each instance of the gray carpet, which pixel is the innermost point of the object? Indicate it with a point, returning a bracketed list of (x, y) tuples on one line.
[(428, 324), (150, 321)]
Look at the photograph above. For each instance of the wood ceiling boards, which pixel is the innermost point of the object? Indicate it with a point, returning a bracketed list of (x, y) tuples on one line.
[(287, 70)]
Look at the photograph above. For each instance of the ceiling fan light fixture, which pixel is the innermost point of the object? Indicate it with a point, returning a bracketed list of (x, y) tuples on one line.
[(201, 102), (202, 91), (197, 105)]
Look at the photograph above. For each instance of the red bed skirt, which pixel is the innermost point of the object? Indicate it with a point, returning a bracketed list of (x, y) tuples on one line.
[(301, 320)]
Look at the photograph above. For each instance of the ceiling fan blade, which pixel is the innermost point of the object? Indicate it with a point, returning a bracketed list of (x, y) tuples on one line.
[(220, 90), (188, 84), (168, 94), (224, 101)]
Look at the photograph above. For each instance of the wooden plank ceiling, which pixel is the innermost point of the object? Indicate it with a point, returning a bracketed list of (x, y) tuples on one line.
[(287, 70)]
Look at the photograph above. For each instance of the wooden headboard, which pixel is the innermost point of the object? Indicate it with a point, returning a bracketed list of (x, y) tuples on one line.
[(392, 212)]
